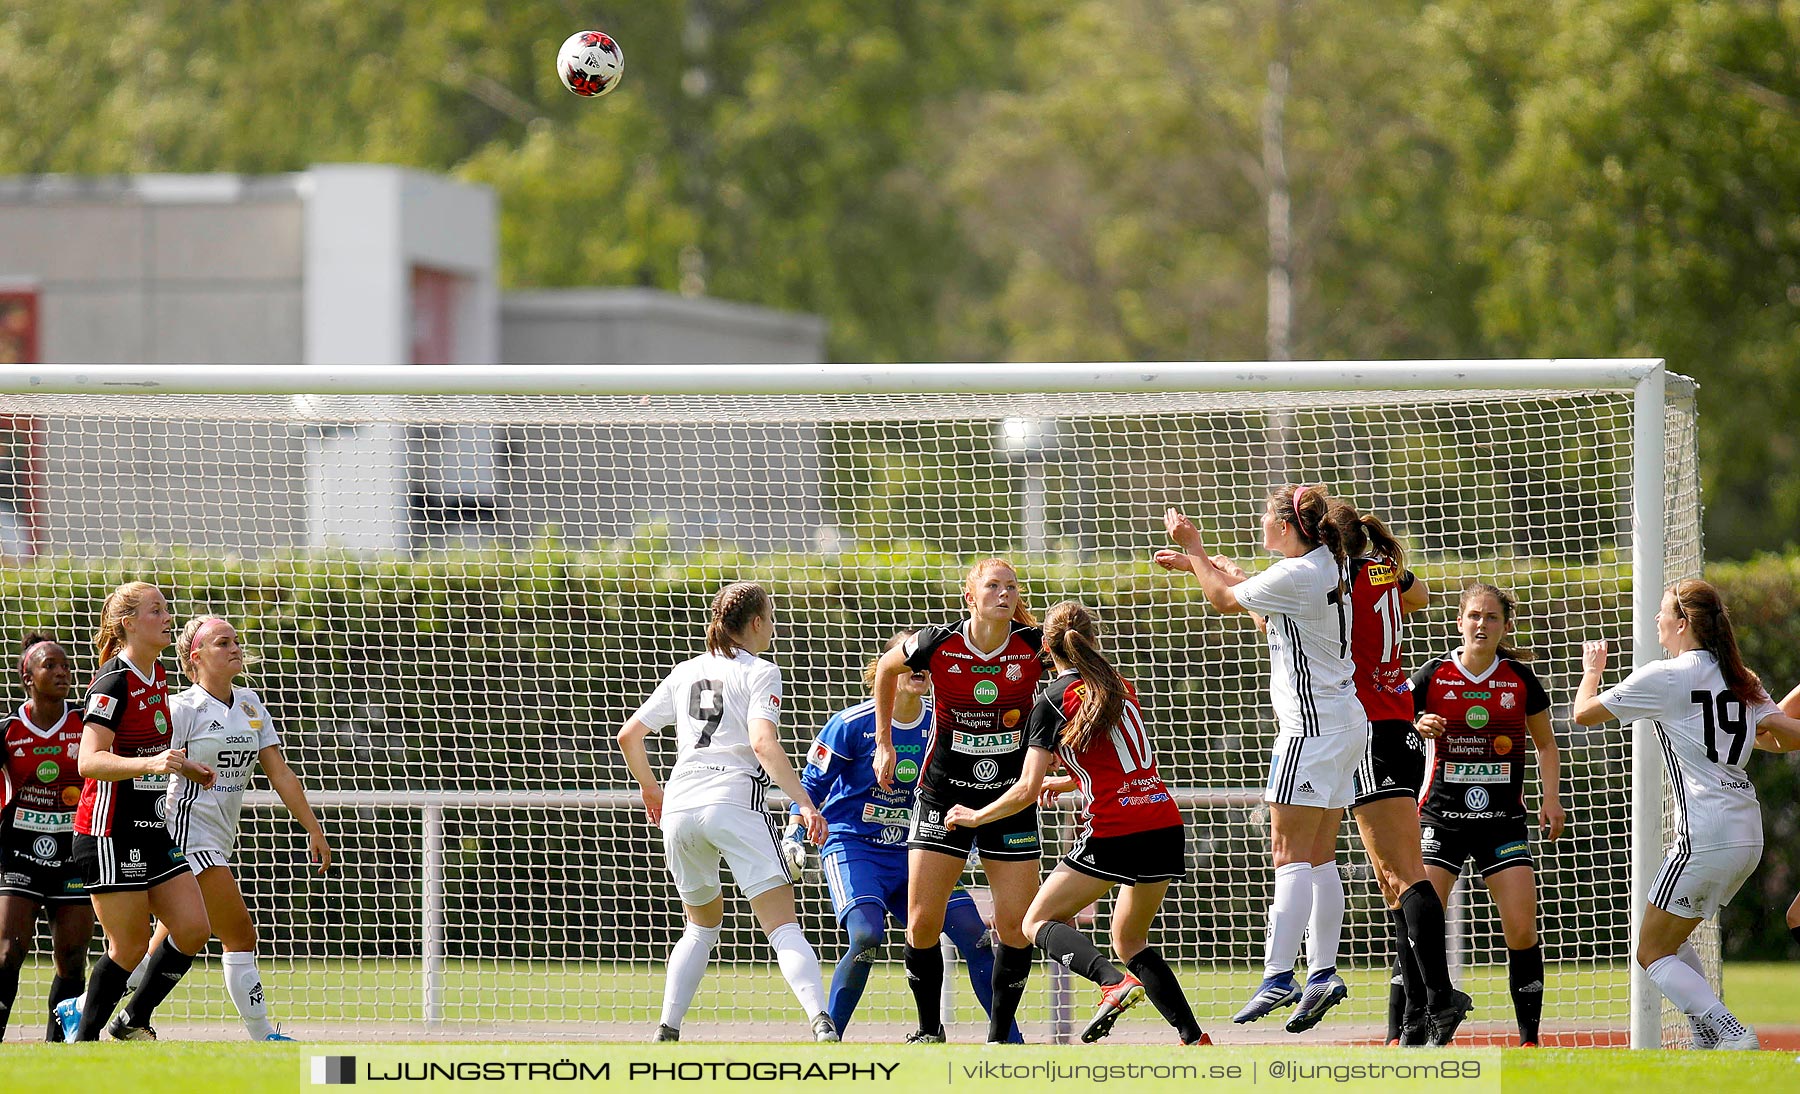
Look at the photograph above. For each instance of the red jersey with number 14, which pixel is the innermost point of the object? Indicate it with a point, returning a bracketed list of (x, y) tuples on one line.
[(1117, 770), (1375, 625)]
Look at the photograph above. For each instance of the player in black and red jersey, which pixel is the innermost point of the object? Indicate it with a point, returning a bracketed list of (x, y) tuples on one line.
[(1382, 592), (37, 824), (1132, 834), (1476, 706), (984, 673), (132, 869)]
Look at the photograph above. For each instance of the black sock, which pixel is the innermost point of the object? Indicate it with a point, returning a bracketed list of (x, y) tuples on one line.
[(1525, 976), (1396, 975), (925, 976), (1071, 949), (105, 987), (9, 990), (1412, 981), (1165, 992), (62, 987), (1012, 967), (167, 966), (1425, 939)]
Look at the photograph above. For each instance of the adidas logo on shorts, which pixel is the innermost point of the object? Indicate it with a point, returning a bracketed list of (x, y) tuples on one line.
[(1683, 903), (1306, 788)]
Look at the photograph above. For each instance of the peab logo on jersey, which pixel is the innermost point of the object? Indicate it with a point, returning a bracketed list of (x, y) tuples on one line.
[(102, 705)]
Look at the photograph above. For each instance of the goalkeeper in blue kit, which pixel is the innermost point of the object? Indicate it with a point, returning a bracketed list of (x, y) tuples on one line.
[(864, 860)]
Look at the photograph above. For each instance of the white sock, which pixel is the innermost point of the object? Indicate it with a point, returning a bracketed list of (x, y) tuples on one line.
[(799, 966), (687, 964), (1287, 917), (1691, 958), (1326, 928), (244, 984), (1687, 989)]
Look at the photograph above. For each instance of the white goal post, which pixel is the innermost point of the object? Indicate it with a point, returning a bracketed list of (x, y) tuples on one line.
[(433, 560)]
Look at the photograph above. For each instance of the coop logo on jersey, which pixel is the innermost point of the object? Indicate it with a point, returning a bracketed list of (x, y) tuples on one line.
[(983, 744), (1476, 798), (987, 771), (986, 691), (906, 771), (102, 705), (1477, 717)]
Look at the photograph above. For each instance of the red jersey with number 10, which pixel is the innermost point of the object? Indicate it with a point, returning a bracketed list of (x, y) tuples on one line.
[(1375, 625), (1117, 770)]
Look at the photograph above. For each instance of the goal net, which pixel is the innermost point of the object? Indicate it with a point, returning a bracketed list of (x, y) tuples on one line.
[(459, 598)]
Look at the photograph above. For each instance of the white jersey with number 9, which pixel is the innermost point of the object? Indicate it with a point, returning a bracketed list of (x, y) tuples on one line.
[(711, 700)]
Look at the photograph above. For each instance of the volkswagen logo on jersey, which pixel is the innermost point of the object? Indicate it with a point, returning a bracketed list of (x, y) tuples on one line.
[(890, 836), (987, 771), (1476, 798), (162, 808), (44, 847)]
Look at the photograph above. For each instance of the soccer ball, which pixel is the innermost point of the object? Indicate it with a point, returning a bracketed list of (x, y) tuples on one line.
[(590, 63)]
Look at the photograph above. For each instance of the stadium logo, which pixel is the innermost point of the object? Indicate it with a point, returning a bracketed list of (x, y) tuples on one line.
[(1477, 717), (987, 771), (986, 692), (1476, 798), (333, 1070)]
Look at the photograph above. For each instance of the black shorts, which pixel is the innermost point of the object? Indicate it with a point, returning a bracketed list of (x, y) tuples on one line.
[(39, 865), (1495, 845), (136, 857), (1393, 764), (1157, 855), (1009, 838)]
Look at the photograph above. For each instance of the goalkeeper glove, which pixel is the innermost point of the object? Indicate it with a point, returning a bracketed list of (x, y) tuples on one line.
[(795, 850)]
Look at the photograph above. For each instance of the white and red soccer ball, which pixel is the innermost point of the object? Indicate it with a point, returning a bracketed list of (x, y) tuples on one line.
[(590, 63)]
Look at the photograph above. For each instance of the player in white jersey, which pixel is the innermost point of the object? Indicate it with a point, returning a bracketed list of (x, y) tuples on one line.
[(726, 707), (1710, 712), (1303, 603), (228, 728)]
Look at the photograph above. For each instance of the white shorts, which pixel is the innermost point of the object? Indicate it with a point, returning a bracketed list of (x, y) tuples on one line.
[(695, 840), (1696, 884), (206, 860), (1316, 771)]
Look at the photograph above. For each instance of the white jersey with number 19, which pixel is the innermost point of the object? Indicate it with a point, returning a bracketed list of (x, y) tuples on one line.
[(1707, 736), (711, 701)]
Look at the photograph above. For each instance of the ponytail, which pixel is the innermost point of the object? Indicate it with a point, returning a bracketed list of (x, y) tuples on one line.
[(869, 669), (1309, 510), (1069, 636), (1699, 603), (732, 610), (121, 604), (1364, 534)]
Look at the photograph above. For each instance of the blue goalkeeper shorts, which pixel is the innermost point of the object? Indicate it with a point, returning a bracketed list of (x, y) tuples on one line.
[(859, 872)]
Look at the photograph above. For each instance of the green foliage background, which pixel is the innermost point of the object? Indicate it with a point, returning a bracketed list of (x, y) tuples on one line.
[(1031, 180)]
